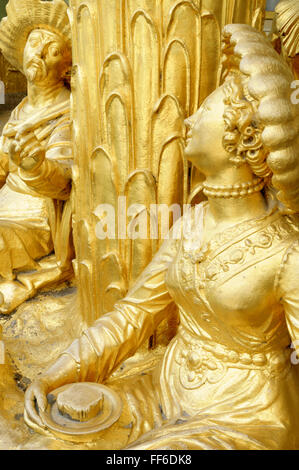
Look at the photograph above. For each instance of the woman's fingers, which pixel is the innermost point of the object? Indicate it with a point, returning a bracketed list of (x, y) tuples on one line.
[(41, 398), (36, 427), (35, 395)]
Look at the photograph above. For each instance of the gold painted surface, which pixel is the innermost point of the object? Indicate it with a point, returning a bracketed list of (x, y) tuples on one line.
[(150, 64), (36, 154), (72, 413), (287, 30), (40, 330), (227, 379), (80, 402), (233, 275)]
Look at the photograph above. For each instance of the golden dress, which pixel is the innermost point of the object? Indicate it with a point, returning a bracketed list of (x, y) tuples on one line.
[(227, 379)]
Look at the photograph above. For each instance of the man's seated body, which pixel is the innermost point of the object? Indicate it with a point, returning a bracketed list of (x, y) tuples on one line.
[(35, 163)]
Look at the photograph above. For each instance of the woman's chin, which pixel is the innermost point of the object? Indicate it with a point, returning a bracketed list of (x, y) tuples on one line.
[(188, 152), (191, 155)]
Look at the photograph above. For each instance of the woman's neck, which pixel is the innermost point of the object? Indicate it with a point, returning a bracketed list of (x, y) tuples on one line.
[(234, 195)]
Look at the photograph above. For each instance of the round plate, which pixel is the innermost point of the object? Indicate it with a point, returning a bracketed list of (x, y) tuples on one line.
[(65, 428)]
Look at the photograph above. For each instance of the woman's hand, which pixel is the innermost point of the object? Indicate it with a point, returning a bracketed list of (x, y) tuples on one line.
[(62, 372), (35, 401), (27, 152)]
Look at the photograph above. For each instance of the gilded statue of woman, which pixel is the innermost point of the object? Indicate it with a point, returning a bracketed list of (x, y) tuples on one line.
[(227, 379)]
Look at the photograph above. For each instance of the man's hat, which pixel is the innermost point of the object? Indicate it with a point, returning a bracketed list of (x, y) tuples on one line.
[(23, 16)]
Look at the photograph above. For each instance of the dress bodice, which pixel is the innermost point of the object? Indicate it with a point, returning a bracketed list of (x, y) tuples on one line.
[(232, 319), (227, 289)]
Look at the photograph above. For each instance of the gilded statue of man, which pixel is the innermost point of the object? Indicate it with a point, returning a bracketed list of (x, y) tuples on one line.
[(36, 153)]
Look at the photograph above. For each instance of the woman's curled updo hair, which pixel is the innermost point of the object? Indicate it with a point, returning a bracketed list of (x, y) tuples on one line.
[(261, 121), (243, 133)]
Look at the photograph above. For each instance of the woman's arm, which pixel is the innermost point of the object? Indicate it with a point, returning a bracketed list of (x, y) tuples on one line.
[(288, 289), (114, 337)]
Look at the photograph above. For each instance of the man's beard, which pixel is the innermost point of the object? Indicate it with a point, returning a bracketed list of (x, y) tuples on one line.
[(36, 70)]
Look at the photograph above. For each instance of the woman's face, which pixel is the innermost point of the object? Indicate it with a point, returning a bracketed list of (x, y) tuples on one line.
[(205, 130)]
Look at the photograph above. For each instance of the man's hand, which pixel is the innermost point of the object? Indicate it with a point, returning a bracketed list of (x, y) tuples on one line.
[(14, 150), (27, 152)]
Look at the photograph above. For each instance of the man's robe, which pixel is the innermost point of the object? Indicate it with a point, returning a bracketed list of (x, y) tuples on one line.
[(35, 209)]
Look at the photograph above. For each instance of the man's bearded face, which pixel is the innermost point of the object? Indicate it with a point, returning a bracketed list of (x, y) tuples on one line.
[(43, 55)]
